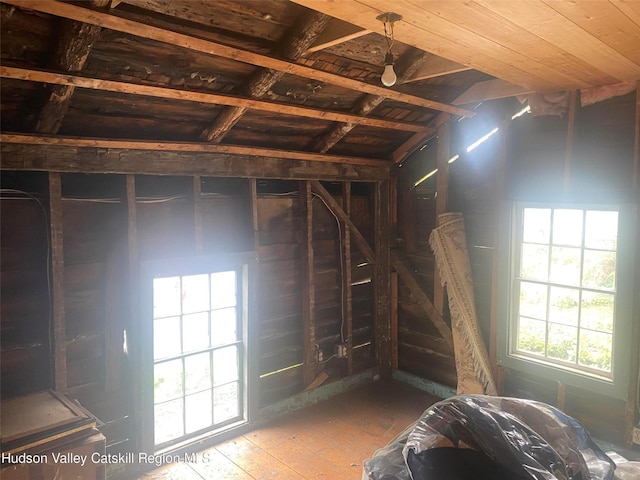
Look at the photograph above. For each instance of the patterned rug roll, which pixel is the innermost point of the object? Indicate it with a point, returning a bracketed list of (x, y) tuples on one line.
[(449, 244)]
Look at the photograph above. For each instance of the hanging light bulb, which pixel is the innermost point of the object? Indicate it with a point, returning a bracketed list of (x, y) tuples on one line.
[(389, 76)]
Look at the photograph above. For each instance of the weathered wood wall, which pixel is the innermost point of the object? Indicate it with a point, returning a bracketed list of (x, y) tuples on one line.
[(280, 280), (534, 155), (601, 170), (109, 223), (25, 307), (421, 349)]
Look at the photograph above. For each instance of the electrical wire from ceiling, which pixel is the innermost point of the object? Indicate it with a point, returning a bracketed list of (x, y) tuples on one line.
[(22, 195), (342, 292)]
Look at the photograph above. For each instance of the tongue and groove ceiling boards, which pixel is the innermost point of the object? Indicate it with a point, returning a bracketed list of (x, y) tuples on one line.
[(299, 78)]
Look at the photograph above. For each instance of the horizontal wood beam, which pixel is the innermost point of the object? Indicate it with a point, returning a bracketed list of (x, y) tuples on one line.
[(102, 160), (490, 90), (337, 32), (436, 66), (200, 97), (112, 22), (358, 238), (186, 147), (291, 47), (417, 139), (405, 274), (406, 65), (411, 144)]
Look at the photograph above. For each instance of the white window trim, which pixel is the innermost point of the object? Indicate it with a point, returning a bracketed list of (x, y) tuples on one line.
[(618, 386)]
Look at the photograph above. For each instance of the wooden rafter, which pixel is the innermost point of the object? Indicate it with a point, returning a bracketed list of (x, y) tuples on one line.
[(291, 47), (337, 32), (417, 139), (436, 66), (74, 46), (407, 66), (479, 92), (358, 238), (105, 20), (200, 97), (412, 143), (490, 90)]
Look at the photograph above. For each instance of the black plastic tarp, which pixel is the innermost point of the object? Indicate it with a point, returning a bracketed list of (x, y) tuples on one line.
[(484, 437)]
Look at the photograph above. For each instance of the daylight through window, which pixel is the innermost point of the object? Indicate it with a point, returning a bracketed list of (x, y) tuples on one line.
[(197, 352), (564, 288)]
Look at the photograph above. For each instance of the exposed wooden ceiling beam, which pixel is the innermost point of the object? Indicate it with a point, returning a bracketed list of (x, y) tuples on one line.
[(410, 145), (480, 92), (436, 66), (200, 97), (337, 32), (490, 90), (74, 45), (406, 67), (65, 158), (113, 22), (358, 238), (292, 46), (187, 147)]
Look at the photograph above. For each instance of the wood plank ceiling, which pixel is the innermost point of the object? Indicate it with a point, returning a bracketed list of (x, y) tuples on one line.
[(544, 45), (291, 79)]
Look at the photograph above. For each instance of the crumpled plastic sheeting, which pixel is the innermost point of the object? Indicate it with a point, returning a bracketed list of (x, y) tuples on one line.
[(387, 462), (483, 437)]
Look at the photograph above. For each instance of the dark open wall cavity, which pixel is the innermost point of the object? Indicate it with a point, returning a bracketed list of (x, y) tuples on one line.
[(25, 307)]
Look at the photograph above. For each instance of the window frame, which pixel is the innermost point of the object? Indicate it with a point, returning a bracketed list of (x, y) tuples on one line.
[(243, 263), (510, 248)]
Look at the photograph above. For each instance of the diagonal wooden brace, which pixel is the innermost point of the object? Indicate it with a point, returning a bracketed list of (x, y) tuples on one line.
[(358, 239), (407, 277)]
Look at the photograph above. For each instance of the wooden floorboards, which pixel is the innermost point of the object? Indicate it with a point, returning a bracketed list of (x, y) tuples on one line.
[(329, 440)]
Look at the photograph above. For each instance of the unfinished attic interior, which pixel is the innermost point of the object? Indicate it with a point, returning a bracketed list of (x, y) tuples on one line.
[(222, 233)]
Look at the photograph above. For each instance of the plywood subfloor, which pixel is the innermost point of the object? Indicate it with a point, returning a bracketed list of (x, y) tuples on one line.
[(325, 441)]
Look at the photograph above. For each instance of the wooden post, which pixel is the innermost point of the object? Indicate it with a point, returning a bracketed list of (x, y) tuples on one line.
[(393, 199), (253, 193), (394, 320), (132, 242), (57, 283), (347, 297), (382, 279), (406, 229), (442, 200), (197, 213), (496, 258), (308, 286), (135, 337), (571, 123)]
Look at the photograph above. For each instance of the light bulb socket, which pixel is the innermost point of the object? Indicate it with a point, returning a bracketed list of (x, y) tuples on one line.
[(388, 59)]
